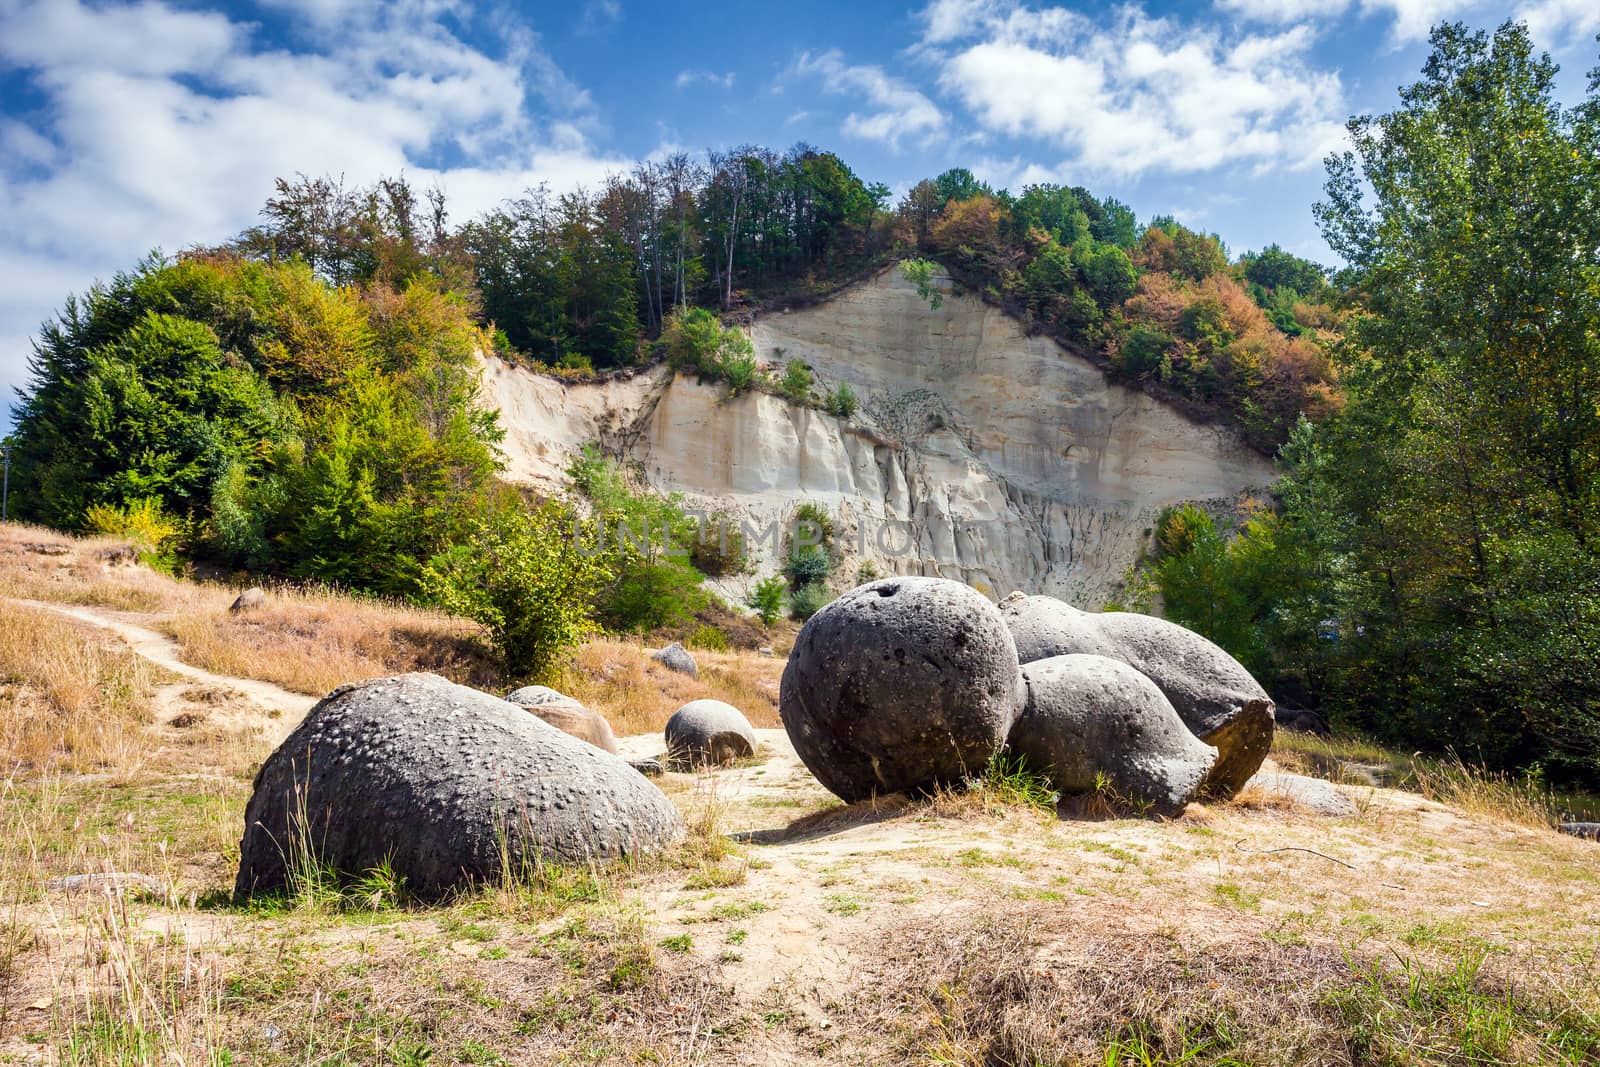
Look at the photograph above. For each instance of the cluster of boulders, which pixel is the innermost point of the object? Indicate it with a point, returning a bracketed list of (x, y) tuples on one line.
[(907, 684)]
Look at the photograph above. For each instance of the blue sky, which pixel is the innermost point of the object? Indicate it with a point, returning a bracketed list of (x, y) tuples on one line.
[(127, 126)]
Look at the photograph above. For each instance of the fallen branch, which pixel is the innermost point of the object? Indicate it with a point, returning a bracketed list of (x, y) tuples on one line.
[(1239, 844)]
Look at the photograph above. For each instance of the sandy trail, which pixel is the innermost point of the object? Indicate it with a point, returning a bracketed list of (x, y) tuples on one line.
[(284, 709)]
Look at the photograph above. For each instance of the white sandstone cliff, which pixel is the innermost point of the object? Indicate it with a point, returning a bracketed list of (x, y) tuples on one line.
[(979, 453)]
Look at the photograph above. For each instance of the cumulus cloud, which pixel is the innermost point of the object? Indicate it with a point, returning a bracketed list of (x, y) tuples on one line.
[(1133, 94), (164, 127), (1561, 24), (894, 109)]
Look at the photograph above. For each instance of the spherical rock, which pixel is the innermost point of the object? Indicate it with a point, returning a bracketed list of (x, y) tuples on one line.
[(1212, 692), (567, 715), (900, 685), (677, 658), (440, 780), (708, 732), (248, 600), (1089, 719)]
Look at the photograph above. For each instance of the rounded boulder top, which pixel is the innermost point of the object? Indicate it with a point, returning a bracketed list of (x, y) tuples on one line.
[(446, 784), (677, 658), (534, 696), (1090, 720), (708, 732), (900, 685)]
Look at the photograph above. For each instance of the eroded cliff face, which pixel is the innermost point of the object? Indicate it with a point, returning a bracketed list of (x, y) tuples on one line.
[(978, 453)]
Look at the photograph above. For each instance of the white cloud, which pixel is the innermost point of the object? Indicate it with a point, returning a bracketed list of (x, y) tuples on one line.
[(1135, 94), (1412, 19), (895, 109), (162, 127), (1562, 24), (687, 78)]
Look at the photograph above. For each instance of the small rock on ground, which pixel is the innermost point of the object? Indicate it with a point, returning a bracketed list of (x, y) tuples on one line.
[(1314, 794), (677, 658)]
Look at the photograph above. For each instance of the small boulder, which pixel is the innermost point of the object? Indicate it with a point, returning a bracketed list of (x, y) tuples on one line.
[(1589, 830), (566, 715), (1089, 718), (650, 768), (1212, 692), (900, 685), (706, 732), (248, 601), (677, 658), (1301, 720), (1313, 794), (440, 780)]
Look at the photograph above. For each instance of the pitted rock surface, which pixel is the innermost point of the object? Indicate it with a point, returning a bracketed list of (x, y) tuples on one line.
[(1088, 716), (1212, 692), (900, 685), (535, 696), (708, 732), (434, 777)]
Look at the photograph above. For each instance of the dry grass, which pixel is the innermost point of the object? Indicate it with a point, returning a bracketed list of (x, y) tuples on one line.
[(313, 641), (72, 699), (617, 678)]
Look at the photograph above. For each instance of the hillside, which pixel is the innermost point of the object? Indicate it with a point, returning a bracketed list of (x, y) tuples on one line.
[(1439, 928), (978, 453)]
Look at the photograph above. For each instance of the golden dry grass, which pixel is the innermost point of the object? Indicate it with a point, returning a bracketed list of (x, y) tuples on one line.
[(617, 677), (70, 698)]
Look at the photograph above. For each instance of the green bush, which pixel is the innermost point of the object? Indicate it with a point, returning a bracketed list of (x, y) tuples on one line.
[(710, 638), (841, 403), (807, 600), (522, 577), (767, 598), (867, 572), (807, 565), (718, 551), (814, 518), (695, 340), (650, 596), (153, 533), (795, 385)]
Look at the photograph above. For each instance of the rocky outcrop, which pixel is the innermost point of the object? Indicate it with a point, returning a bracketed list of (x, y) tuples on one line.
[(445, 784), (900, 685), (979, 453)]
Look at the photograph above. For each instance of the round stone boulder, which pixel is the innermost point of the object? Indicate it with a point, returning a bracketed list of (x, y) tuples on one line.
[(445, 783), (248, 600), (1090, 719), (1213, 694), (567, 715), (677, 658), (900, 685), (708, 732)]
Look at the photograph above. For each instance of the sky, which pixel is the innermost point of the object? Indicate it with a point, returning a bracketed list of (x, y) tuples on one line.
[(127, 127)]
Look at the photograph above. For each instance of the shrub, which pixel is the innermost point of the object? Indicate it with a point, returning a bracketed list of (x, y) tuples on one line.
[(807, 565), (719, 549), (815, 519), (841, 403), (795, 385), (710, 638), (807, 600), (696, 340), (152, 531), (738, 369), (767, 598), (653, 595), (919, 272), (867, 572), (522, 577)]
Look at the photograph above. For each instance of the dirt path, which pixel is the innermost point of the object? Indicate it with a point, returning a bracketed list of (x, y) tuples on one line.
[(284, 709)]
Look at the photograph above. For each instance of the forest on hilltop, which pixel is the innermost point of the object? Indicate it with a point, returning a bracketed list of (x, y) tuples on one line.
[(303, 401)]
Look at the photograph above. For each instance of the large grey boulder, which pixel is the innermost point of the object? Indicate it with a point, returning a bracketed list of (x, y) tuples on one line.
[(677, 658), (443, 782), (706, 732), (1212, 692), (1090, 718), (567, 715), (900, 685)]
